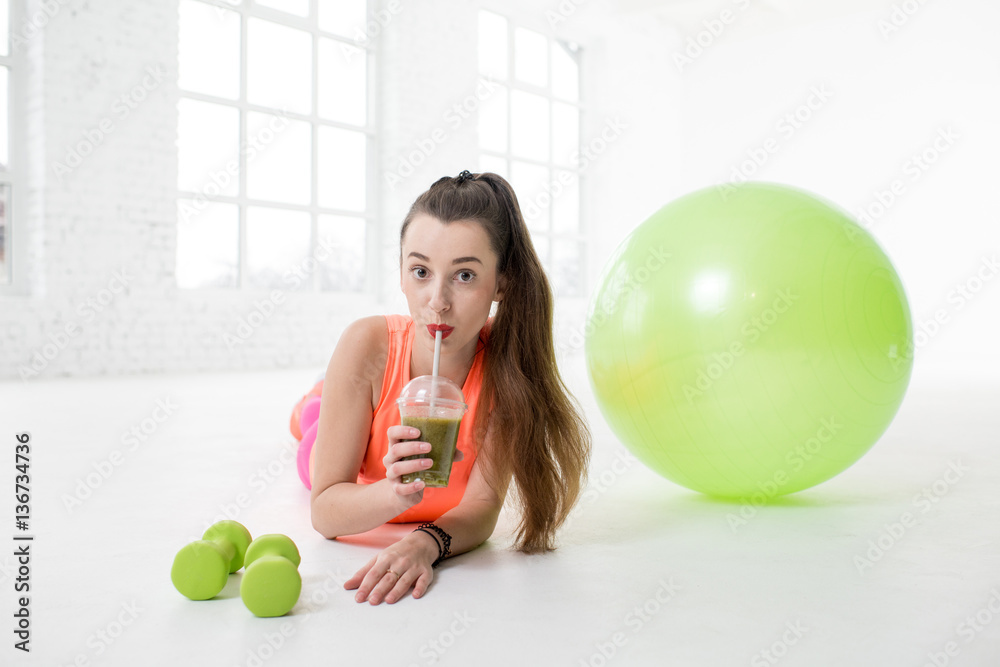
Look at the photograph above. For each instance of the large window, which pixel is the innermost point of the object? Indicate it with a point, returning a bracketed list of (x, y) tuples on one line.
[(529, 132), (274, 145), (8, 171)]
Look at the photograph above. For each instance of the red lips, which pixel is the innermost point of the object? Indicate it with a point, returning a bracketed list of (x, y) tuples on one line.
[(443, 328)]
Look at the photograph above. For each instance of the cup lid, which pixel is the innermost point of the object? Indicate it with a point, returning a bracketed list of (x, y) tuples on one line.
[(421, 389)]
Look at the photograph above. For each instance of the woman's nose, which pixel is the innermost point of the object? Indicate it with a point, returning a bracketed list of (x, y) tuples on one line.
[(440, 298)]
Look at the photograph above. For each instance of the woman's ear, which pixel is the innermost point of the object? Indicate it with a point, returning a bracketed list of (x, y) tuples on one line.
[(501, 286)]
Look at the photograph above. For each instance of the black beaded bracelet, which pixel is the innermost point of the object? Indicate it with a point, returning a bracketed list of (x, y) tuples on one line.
[(444, 543)]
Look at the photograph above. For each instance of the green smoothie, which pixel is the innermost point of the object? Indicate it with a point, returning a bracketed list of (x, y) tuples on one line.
[(442, 434)]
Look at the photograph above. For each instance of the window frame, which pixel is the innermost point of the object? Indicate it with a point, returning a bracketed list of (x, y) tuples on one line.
[(14, 177), (511, 83), (246, 9)]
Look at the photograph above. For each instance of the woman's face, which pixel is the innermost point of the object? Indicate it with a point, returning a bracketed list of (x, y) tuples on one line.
[(449, 277)]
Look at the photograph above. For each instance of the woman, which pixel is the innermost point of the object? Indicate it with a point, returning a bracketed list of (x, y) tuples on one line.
[(463, 246)]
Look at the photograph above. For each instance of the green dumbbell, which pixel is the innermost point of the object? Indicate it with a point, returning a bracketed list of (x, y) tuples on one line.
[(202, 568), (271, 583)]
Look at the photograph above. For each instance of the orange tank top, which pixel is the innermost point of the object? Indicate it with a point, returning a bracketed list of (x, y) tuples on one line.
[(397, 373)]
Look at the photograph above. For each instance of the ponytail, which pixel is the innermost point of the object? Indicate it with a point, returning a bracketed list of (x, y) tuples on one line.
[(528, 426)]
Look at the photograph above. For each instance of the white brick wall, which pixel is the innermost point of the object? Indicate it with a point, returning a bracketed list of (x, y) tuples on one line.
[(115, 211)]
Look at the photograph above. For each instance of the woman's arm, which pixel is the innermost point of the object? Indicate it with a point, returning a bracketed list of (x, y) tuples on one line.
[(408, 563), (472, 522), (341, 506)]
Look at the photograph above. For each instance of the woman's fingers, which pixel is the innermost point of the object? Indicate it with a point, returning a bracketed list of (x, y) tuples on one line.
[(385, 584), (423, 581), (356, 580), (398, 451), (392, 586)]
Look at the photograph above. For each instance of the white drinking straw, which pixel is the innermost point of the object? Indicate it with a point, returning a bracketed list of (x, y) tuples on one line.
[(437, 364)]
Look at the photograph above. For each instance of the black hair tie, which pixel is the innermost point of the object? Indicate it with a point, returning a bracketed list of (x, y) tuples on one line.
[(466, 175)]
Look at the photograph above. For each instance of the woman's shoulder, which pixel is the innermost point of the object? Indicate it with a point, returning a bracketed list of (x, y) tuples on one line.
[(363, 349), (360, 340), (364, 328)]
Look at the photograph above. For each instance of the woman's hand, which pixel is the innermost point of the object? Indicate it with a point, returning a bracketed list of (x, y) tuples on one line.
[(391, 574), (401, 445)]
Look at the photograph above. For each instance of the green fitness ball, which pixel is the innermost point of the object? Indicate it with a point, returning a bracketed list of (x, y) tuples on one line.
[(748, 341)]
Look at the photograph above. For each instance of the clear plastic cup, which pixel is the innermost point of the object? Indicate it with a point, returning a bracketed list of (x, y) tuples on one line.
[(434, 405)]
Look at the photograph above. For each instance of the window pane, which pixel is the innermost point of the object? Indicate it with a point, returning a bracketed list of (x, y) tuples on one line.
[(343, 238), (565, 73), (497, 165), (279, 66), (342, 167), (4, 120), (4, 23), (566, 203), (297, 7), (541, 244), (279, 159), (492, 45), (565, 132), (209, 50), (567, 268), (532, 187), (277, 243), (343, 82), (531, 57), (529, 135), (4, 234), (347, 18), (493, 122), (208, 144), (208, 244)]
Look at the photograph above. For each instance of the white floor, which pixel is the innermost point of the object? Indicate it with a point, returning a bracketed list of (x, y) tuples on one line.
[(648, 573)]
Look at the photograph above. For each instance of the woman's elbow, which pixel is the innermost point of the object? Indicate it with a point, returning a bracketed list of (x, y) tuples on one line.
[(319, 515)]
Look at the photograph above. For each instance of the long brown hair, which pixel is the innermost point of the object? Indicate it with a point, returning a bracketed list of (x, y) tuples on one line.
[(536, 432)]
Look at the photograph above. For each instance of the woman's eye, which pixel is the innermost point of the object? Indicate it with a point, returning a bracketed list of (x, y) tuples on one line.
[(417, 271), (470, 275)]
